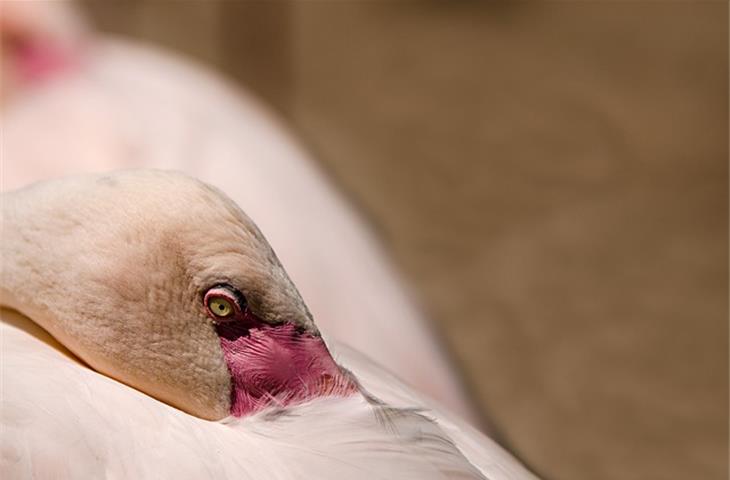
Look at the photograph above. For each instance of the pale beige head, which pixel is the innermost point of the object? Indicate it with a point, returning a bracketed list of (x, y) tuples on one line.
[(102, 261)]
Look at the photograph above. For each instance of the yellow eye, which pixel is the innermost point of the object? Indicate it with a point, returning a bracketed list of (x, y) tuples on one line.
[(220, 307)]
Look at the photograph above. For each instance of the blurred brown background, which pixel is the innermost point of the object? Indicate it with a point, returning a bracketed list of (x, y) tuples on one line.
[(551, 177)]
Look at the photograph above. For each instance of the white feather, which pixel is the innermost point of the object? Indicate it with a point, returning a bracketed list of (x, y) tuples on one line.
[(62, 420)]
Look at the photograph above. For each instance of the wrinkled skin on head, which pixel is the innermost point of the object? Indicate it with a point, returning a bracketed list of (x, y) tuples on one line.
[(116, 267)]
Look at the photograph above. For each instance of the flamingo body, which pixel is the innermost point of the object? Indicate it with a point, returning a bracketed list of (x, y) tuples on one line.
[(62, 420)]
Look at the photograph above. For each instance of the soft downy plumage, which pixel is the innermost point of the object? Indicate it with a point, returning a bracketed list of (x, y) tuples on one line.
[(108, 280)]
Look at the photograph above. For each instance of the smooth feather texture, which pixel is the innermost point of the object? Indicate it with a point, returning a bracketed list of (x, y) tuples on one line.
[(62, 420)]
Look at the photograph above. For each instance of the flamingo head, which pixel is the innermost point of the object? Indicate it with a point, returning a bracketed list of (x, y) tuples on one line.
[(161, 282)]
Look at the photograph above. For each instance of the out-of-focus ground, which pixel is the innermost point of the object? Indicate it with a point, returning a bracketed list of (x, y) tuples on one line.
[(552, 179)]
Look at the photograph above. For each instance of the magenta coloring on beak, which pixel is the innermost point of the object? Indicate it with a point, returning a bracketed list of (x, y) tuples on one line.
[(277, 366)]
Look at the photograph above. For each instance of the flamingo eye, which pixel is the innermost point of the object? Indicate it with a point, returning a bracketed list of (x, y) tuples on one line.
[(220, 307), (224, 303)]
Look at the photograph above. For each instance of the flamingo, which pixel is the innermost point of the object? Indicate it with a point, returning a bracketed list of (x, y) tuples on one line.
[(80, 102), (150, 331)]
